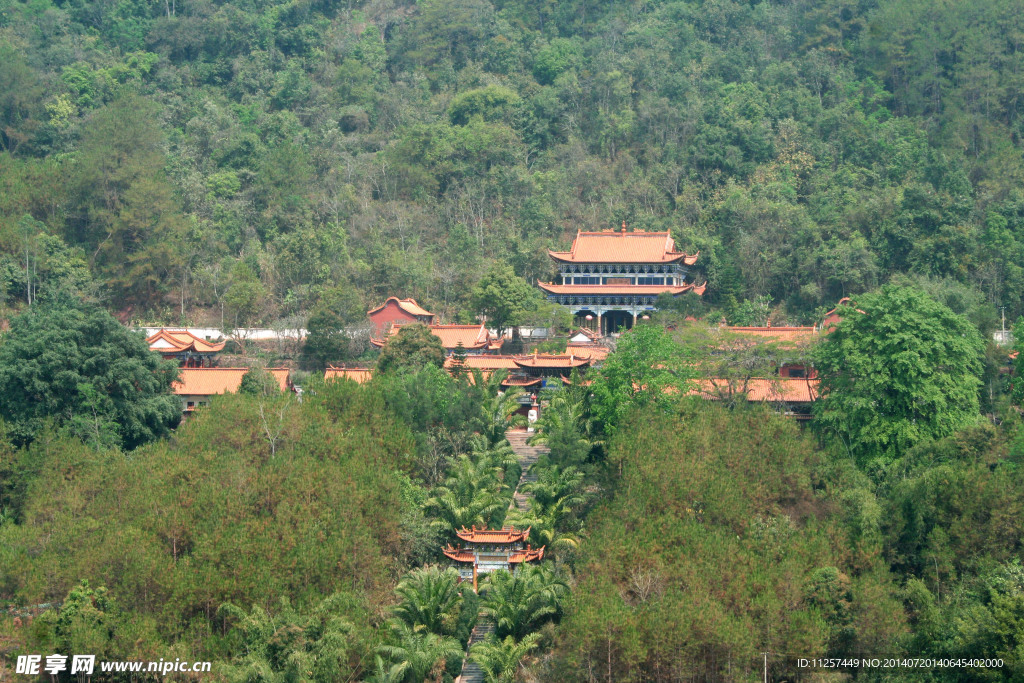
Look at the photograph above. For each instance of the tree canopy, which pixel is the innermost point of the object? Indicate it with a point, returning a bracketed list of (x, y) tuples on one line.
[(647, 369), (714, 547), (503, 298), (74, 364), (414, 347), (900, 368)]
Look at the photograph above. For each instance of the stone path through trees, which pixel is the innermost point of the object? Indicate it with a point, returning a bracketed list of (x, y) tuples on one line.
[(527, 456)]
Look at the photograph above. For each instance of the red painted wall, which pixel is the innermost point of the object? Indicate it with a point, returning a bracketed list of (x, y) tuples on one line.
[(389, 315)]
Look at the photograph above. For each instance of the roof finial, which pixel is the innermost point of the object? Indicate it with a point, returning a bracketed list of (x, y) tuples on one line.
[(623, 226)]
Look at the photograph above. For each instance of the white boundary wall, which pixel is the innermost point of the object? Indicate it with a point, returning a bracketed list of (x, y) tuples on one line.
[(248, 333)]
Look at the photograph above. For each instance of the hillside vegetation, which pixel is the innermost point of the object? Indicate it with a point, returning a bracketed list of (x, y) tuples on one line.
[(246, 160)]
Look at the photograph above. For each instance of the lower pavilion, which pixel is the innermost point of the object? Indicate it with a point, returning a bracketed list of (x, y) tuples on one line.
[(184, 348), (610, 278), (485, 550)]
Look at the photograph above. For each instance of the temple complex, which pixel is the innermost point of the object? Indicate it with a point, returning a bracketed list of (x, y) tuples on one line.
[(483, 550), (610, 278)]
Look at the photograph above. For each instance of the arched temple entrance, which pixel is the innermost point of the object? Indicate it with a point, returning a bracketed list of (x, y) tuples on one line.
[(616, 321), (580, 320)]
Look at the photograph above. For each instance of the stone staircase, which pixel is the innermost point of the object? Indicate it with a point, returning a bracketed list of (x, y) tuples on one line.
[(527, 456), (471, 671)]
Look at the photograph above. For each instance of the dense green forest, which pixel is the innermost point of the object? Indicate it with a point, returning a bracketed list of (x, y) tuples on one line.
[(202, 161), (300, 540)]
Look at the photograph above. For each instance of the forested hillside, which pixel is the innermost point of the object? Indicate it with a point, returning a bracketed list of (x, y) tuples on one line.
[(294, 163), (243, 161)]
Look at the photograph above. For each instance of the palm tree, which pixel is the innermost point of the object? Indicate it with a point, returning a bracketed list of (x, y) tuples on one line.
[(430, 599), (564, 426), (544, 530), (452, 512), (498, 408), (418, 654), (557, 491), (471, 494), (285, 646), (500, 659), (498, 454), (383, 673), (521, 602)]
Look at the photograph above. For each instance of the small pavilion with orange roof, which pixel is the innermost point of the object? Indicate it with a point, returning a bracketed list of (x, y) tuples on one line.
[(184, 347), (481, 551), (612, 277)]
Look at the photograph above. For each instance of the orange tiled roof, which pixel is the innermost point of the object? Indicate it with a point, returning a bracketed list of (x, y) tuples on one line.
[(528, 555), (522, 382), (626, 290), (515, 557), (178, 341), (506, 534), (786, 389), (788, 334), (610, 246), (589, 334), (484, 362), (543, 360), (408, 305), (842, 302), (210, 381), (357, 375), (472, 336), (458, 555), (595, 352)]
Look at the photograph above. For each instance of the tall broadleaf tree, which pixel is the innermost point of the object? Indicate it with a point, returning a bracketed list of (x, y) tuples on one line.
[(130, 220), (899, 369), (1018, 363), (647, 369), (504, 298), (414, 347)]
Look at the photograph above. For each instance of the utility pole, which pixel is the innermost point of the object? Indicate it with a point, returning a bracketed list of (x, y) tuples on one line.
[(765, 666)]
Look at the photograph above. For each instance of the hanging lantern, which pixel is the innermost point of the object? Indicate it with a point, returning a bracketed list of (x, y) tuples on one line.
[(589, 317), (645, 317)]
